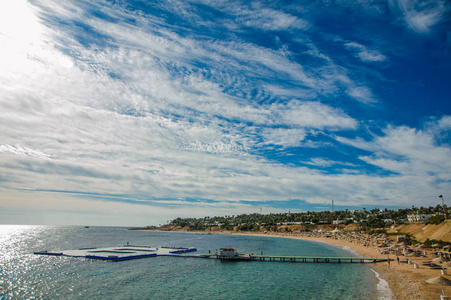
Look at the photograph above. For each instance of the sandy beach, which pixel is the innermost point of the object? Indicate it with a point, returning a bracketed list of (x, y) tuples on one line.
[(405, 281)]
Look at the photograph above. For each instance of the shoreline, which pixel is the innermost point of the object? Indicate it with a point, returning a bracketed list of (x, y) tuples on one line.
[(404, 281)]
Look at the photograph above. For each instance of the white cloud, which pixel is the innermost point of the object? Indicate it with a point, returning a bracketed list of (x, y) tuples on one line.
[(364, 54), (256, 15), (422, 16), (445, 123), (22, 150), (269, 19), (408, 152), (313, 115), (284, 137), (362, 94)]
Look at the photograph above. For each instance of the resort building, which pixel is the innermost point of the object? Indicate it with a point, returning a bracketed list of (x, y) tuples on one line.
[(337, 222), (418, 218)]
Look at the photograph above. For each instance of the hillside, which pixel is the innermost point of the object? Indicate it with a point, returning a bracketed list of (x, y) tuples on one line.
[(421, 232)]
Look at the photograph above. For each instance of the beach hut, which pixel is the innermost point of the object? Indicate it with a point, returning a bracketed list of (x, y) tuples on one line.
[(228, 252), (439, 280)]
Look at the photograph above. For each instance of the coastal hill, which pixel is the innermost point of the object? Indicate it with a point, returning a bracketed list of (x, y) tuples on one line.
[(421, 232)]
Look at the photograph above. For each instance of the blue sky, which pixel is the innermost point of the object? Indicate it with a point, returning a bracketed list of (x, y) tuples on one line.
[(137, 112)]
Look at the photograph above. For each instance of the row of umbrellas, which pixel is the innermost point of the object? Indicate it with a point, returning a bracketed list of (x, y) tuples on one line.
[(445, 265), (381, 240), (439, 280)]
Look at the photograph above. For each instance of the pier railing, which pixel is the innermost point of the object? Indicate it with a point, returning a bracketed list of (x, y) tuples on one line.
[(304, 259)]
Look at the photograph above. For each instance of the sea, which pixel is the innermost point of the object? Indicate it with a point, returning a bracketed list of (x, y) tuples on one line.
[(24, 275)]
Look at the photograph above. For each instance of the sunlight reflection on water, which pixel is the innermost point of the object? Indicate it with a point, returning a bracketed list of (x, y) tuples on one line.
[(28, 276)]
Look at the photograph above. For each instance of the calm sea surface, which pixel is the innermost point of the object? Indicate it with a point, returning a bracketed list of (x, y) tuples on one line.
[(24, 275)]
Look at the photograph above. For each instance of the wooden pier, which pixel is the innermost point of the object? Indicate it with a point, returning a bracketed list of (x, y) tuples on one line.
[(298, 259), (127, 252)]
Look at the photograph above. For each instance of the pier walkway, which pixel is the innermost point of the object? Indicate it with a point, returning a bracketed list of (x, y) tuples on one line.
[(304, 259), (127, 252)]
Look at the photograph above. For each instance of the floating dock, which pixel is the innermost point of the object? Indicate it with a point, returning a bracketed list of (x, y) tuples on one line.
[(119, 253)]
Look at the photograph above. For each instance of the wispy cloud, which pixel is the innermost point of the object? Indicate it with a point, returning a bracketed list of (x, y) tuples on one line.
[(269, 19), (284, 137), (407, 151), (364, 54), (314, 114), (362, 94), (21, 150), (422, 16)]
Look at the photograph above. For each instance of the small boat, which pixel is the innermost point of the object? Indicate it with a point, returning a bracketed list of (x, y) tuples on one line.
[(86, 226)]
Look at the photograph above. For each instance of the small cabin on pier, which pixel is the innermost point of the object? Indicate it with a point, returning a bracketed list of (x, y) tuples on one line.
[(228, 252)]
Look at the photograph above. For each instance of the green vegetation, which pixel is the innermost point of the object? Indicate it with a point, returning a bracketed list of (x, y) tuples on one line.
[(436, 219), (368, 220)]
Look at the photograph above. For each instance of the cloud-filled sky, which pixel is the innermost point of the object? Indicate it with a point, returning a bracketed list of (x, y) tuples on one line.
[(137, 112)]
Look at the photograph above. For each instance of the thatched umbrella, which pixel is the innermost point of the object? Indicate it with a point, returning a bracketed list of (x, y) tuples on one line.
[(439, 259), (446, 265), (336, 230), (439, 280)]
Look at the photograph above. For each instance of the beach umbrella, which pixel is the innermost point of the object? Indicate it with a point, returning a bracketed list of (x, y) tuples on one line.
[(439, 280), (439, 259), (437, 246)]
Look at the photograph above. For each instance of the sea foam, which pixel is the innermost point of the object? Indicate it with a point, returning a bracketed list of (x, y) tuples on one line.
[(383, 290)]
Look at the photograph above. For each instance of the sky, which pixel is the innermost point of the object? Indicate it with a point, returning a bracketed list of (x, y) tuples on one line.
[(133, 113)]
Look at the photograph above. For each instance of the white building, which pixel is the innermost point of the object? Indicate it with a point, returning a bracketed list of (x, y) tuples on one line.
[(228, 252), (336, 222), (418, 218)]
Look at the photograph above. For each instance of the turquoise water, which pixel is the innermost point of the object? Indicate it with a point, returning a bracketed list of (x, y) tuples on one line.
[(28, 276)]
